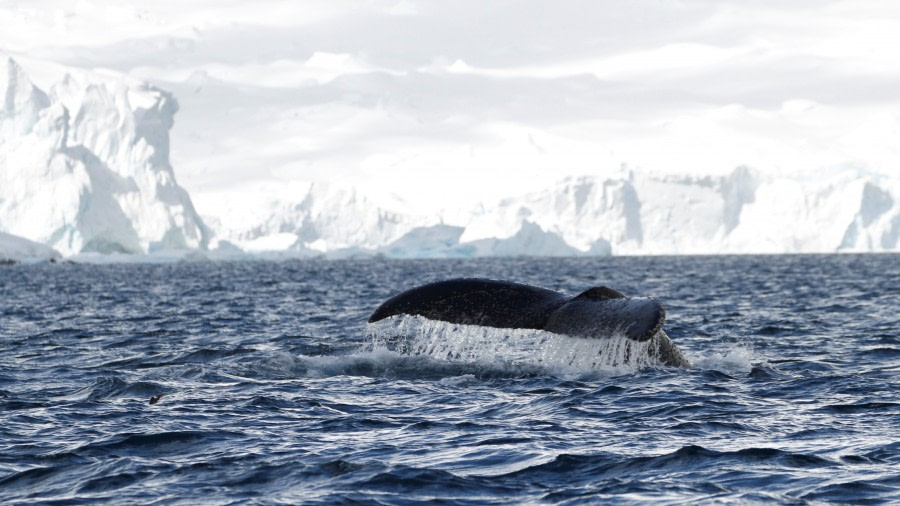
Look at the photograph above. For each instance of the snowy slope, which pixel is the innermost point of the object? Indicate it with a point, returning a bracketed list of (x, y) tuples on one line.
[(15, 249), (84, 167)]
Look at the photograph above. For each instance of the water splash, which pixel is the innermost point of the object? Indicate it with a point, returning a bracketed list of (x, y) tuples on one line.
[(419, 336), (739, 359)]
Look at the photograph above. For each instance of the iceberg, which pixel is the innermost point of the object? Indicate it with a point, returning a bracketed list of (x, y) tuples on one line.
[(85, 167), (14, 249)]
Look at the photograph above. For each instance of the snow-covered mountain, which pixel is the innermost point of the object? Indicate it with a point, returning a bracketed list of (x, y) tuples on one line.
[(85, 166), (627, 213)]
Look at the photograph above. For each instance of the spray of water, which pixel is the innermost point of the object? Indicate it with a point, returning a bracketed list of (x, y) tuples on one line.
[(419, 336)]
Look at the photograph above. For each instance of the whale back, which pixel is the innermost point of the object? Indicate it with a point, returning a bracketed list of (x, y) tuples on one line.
[(474, 301)]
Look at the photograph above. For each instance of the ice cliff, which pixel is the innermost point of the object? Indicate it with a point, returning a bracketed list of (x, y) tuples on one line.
[(85, 166), (315, 218), (625, 213)]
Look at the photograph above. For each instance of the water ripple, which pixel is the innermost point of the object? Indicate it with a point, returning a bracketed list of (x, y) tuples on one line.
[(266, 390)]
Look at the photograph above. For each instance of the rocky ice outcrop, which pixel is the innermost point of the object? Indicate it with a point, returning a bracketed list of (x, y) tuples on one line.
[(85, 167)]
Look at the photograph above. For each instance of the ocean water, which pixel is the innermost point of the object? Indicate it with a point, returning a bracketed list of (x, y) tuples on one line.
[(273, 390)]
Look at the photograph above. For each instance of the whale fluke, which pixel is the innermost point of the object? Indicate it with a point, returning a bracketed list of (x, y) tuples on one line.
[(597, 313)]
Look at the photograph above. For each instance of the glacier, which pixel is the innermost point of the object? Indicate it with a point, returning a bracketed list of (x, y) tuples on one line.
[(628, 213), (84, 166), (742, 212), (85, 171)]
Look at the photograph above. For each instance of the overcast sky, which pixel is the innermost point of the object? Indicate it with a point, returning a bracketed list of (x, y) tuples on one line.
[(466, 99)]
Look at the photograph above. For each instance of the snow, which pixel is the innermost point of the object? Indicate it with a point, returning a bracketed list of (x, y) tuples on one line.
[(529, 240), (14, 249), (319, 217), (437, 241), (631, 212), (689, 127), (85, 167)]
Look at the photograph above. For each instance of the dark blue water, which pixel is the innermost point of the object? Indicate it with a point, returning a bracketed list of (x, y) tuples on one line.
[(269, 394)]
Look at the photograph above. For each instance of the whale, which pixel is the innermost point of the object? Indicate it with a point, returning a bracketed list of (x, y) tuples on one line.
[(599, 312)]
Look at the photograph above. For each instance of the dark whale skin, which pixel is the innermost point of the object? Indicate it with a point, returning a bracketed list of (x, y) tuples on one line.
[(596, 313)]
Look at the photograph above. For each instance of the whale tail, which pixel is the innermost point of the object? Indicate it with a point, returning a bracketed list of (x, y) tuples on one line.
[(601, 293), (599, 313)]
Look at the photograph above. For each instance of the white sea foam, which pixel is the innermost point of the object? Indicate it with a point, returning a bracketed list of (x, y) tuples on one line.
[(419, 336), (736, 359), (459, 381), (460, 355)]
